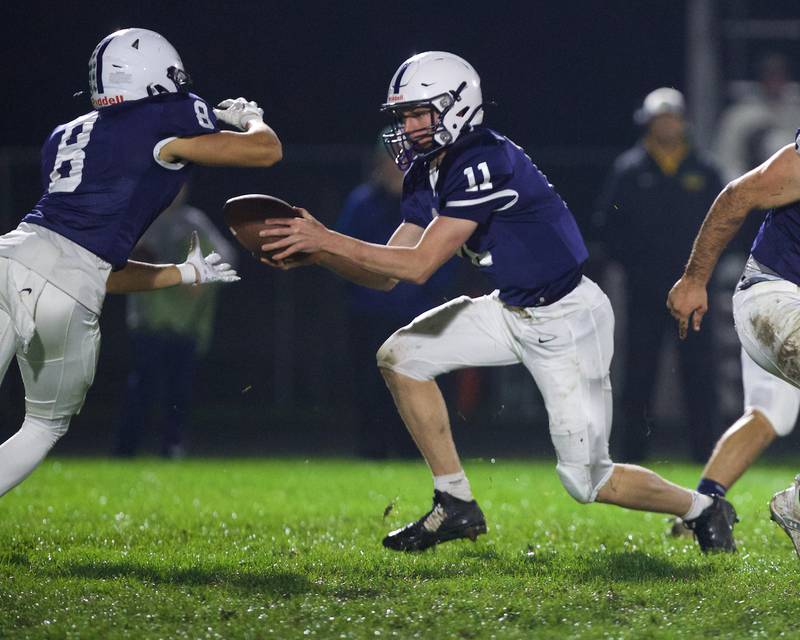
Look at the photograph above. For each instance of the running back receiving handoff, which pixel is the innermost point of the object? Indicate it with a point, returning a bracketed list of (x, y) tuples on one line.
[(106, 175)]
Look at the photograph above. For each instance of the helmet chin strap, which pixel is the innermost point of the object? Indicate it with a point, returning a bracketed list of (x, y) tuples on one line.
[(155, 89)]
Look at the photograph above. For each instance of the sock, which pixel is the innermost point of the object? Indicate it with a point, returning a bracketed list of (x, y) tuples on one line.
[(456, 484), (700, 502), (22, 452), (708, 486)]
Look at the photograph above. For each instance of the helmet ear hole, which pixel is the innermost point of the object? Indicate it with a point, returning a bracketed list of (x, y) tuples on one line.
[(155, 89), (463, 112)]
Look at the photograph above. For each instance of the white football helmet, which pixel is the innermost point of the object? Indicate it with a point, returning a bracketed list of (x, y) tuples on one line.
[(443, 82), (132, 64)]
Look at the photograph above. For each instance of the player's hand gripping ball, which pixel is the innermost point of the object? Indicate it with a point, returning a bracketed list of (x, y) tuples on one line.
[(246, 215)]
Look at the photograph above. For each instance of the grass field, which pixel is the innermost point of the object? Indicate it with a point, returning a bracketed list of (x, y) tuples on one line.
[(291, 549)]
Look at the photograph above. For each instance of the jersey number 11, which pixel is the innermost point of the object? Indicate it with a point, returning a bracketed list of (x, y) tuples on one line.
[(485, 184)]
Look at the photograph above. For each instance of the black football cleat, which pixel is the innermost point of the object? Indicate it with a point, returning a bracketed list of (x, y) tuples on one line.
[(448, 519), (679, 529), (713, 528)]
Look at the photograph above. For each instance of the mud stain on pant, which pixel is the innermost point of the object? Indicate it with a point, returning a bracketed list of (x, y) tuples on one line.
[(787, 354), (764, 330), (789, 357)]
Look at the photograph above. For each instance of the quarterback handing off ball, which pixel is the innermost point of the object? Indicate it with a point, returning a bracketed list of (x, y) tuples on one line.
[(246, 215)]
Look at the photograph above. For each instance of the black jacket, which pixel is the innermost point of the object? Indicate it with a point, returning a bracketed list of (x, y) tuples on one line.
[(648, 219)]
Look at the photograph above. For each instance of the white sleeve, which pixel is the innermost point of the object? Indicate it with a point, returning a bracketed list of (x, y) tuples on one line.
[(174, 166)]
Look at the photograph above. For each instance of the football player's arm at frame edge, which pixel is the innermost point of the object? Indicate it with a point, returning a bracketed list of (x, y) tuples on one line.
[(774, 183)]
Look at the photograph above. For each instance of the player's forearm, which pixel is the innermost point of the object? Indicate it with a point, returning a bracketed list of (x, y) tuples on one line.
[(270, 149), (142, 276), (259, 146), (722, 222), (774, 183), (400, 263), (350, 271)]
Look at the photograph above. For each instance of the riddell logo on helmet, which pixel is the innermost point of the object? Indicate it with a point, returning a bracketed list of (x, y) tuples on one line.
[(107, 100), (397, 97)]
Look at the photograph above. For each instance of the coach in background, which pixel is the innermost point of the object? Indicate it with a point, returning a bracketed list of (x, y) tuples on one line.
[(169, 331), (372, 213), (649, 210)]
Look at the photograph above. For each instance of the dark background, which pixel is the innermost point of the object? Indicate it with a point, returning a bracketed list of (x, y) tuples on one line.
[(566, 76), (563, 72)]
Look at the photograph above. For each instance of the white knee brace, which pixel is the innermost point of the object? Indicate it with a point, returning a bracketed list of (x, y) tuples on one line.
[(584, 481)]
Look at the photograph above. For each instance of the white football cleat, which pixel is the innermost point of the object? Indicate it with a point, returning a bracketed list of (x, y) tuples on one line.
[(785, 511)]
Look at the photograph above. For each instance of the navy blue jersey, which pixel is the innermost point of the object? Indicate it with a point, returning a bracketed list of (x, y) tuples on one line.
[(777, 244), (527, 241), (103, 182)]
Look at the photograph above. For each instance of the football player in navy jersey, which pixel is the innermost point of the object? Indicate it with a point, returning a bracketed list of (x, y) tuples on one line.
[(470, 190), (106, 176), (766, 311)]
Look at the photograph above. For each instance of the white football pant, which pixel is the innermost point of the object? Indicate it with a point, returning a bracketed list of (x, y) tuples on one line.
[(57, 367), (779, 401), (767, 317), (567, 347)]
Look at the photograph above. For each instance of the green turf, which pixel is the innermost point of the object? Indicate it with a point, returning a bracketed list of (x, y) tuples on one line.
[(291, 548)]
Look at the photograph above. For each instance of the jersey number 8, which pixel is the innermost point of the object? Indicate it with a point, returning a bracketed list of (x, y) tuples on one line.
[(67, 170), (201, 111)]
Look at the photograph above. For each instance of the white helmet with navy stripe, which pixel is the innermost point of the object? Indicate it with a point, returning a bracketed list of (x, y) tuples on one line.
[(442, 81), (132, 64)]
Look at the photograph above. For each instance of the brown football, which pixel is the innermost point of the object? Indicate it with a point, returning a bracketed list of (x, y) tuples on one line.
[(245, 216)]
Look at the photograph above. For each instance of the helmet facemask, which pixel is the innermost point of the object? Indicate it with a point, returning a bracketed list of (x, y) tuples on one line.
[(179, 77), (406, 146)]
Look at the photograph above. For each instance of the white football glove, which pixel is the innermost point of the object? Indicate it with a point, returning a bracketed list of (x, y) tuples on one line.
[(200, 270), (238, 113)]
